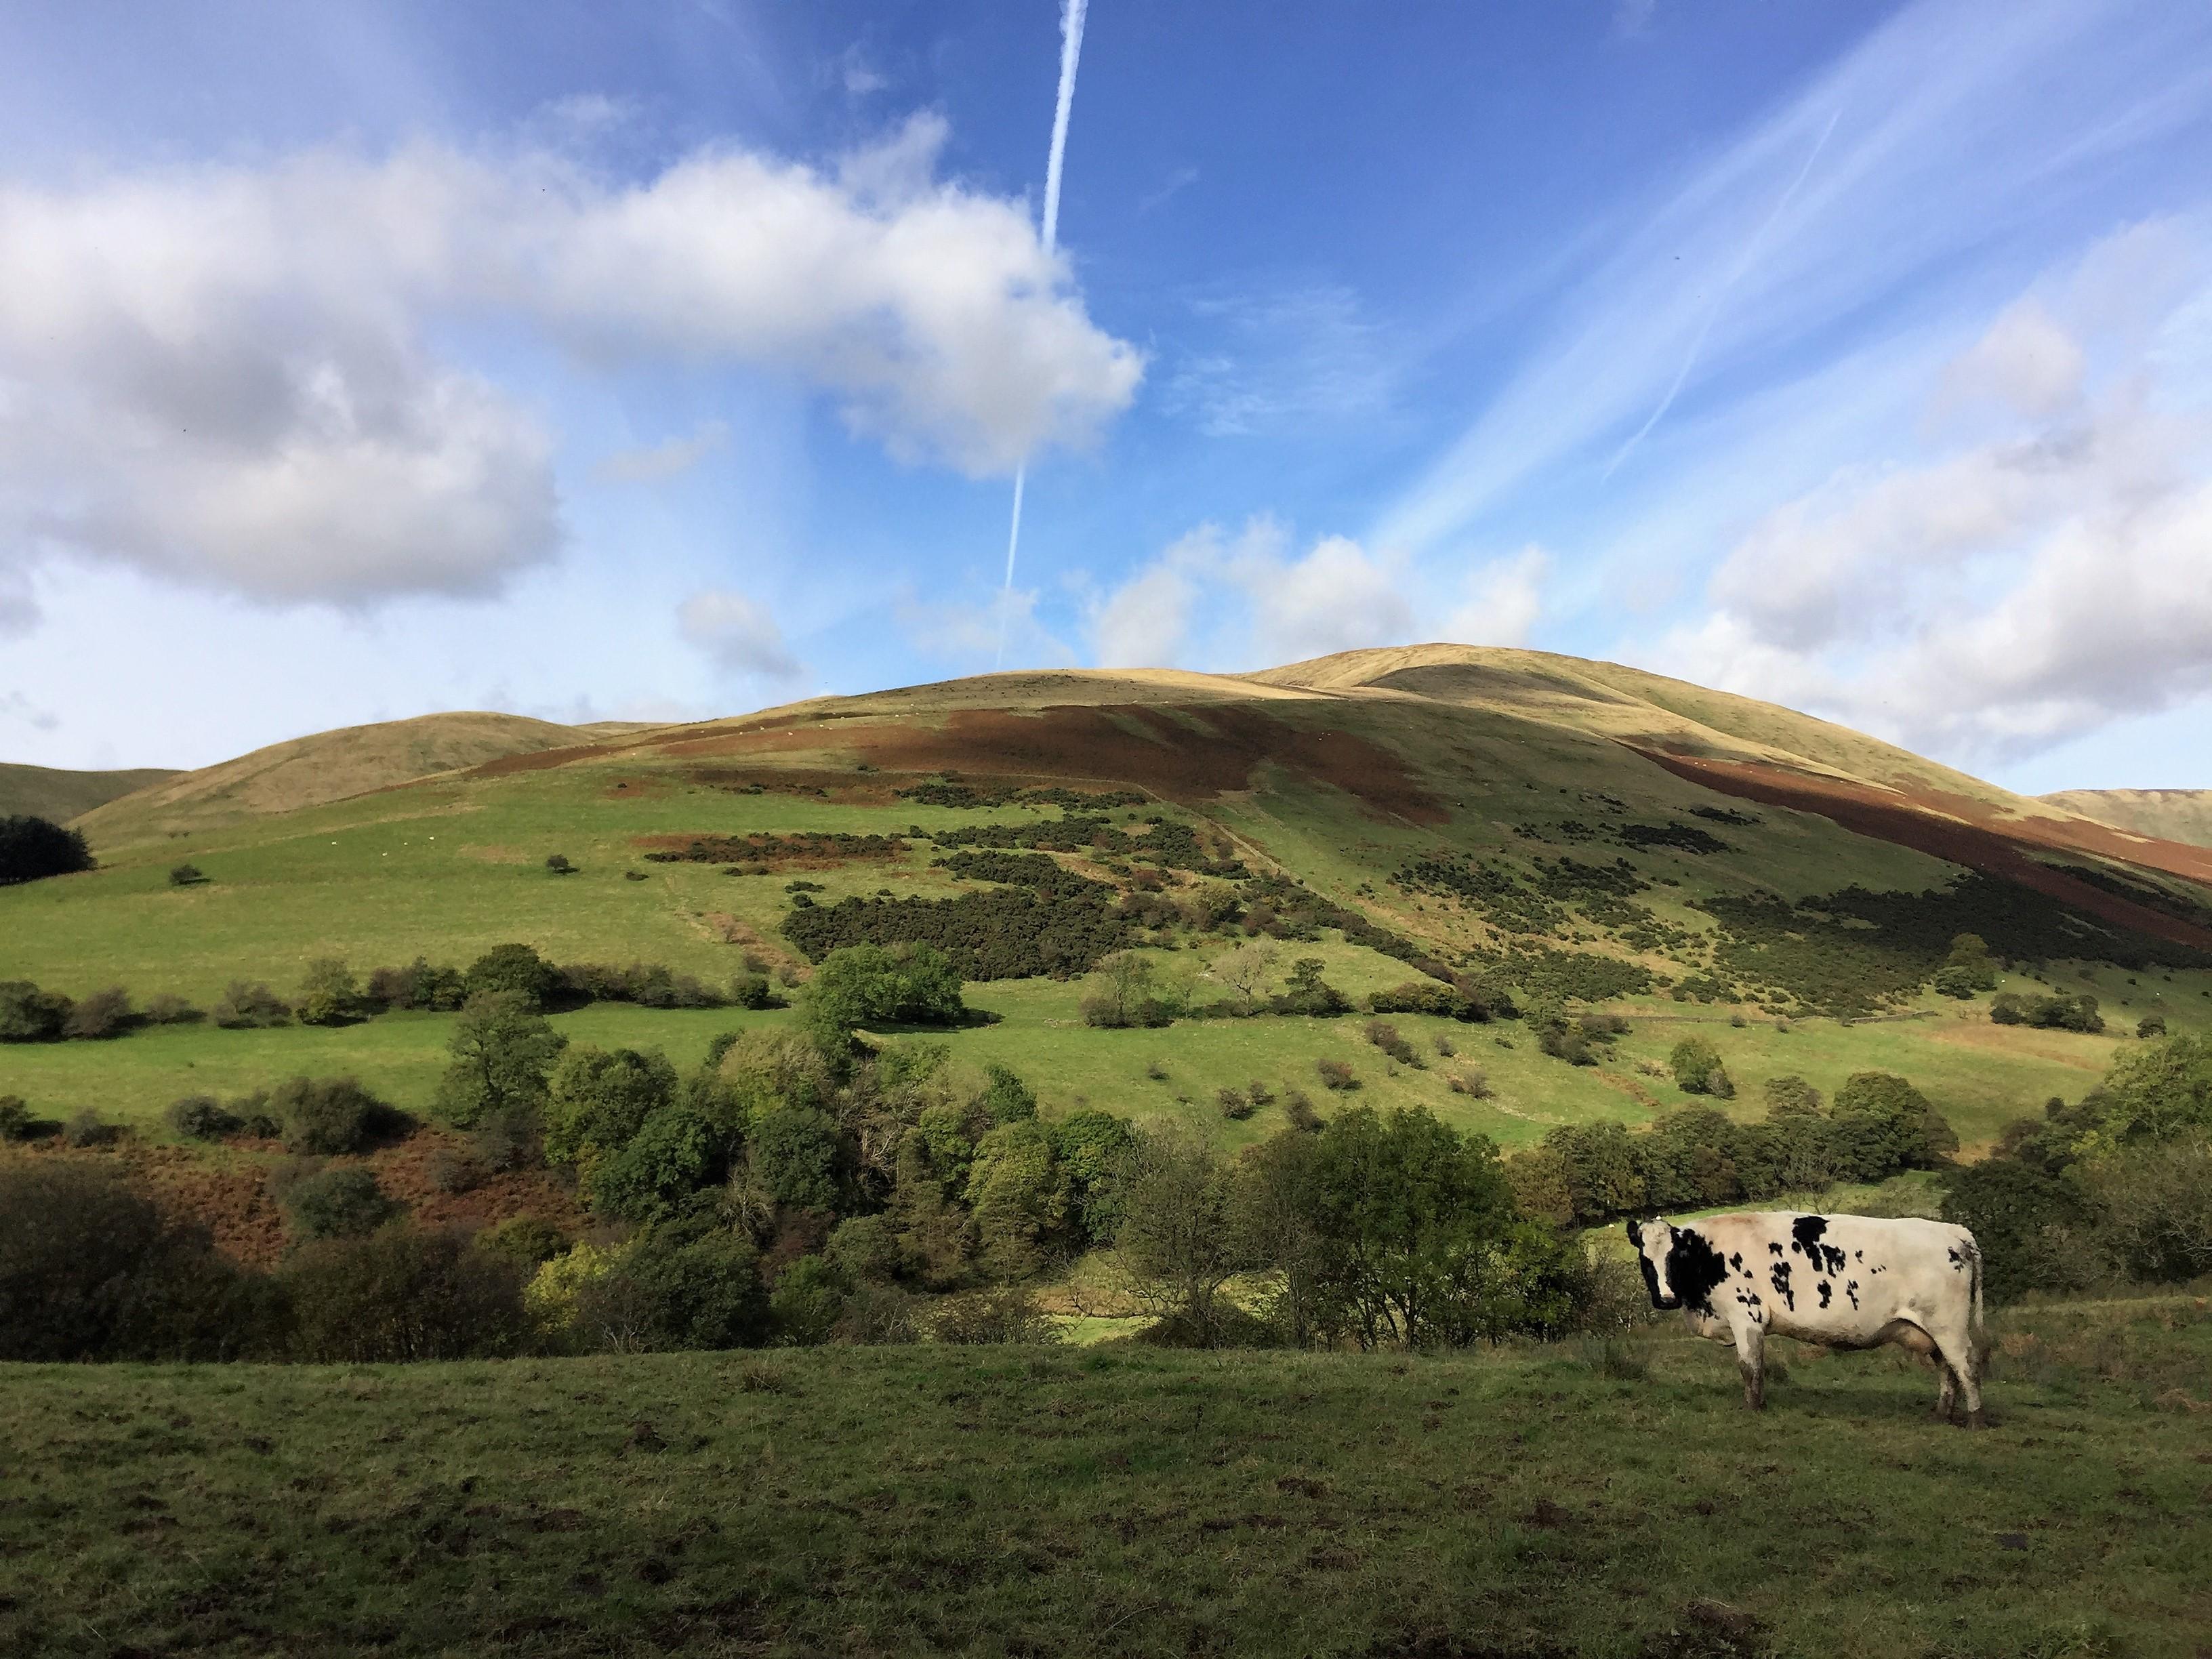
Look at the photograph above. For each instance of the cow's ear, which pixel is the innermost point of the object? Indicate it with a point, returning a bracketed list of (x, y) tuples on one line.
[(1636, 1234)]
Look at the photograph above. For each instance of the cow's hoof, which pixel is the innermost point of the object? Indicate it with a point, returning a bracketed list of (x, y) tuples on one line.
[(1977, 1420)]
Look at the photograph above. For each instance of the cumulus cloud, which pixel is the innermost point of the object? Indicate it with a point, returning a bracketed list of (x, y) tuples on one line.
[(243, 375), (2026, 588), (1213, 599), (1504, 599), (737, 633)]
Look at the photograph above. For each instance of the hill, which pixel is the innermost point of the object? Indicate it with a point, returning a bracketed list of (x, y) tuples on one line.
[(1570, 835), (328, 766), (940, 1500), (2182, 815), (53, 794)]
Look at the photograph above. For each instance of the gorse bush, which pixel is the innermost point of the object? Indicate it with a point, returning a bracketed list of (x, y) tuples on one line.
[(30, 1015)]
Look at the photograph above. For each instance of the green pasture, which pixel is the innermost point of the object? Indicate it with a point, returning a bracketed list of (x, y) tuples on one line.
[(1610, 1501)]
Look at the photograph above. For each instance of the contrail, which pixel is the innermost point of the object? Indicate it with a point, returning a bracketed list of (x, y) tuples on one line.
[(1071, 51), (1742, 265)]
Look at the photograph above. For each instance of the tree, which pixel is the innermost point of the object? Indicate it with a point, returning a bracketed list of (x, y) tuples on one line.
[(596, 1100), (690, 1283), (1309, 993), (502, 1050), (1124, 980), (1273, 1206), (1883, 1124), (866, 985), (793, 1154), (103, 1014), (1791, 1097), (1247, 970), (516, 969), (242, 1006), (2150, 1026), (2152, 1094), (1005, 1099), (2155, 1202), (809, 1299), (403, 1294), (30, 1015), (680, 1150), (329, 994), (1089, 1147), (1693, 1061), (337, 1203), (323, 1117), (1968, 969), (1020, 1198), (31, 848), (2033, 1227), (1175, 1245)]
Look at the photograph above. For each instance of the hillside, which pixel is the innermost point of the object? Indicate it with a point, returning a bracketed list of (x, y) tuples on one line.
[(51, 792), (2182, 815), (328, 766), (1570, 835)]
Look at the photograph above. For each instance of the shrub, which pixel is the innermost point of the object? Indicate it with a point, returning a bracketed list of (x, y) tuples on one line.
[(324, 1116), (1307, 993), (30, 1015), (1261, 1094), (2151, 1025), (515, 971), (558, 865), (1384, 1035), (15, 1119), (596, 1100), (1469, 1080), (202, 1117), (186, 875), (335, 1203), (91, 1269), (403, 1294), (808, 1302), (1336, 1074), (1693, 1061), (31, 848), (1236, 1105), (795, 1154), (687, 1284), (528, 1238), (1444, 1046), (2156, 1207), (1298, 1112), (169, 1009), (328, 995), (243, 1007), (419, 984), (2033, 1227), (1417, 996), (1791, 1097), (752, 990), (449, 1171), (103, 1014), (864, 984), (1007, 1315), (88, 1128), (2007, 1009)]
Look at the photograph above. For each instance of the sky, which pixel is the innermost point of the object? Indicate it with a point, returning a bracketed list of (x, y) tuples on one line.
[(676, 359)]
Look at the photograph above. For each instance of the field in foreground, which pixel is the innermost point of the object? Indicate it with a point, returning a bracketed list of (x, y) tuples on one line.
[(1043, 1501)]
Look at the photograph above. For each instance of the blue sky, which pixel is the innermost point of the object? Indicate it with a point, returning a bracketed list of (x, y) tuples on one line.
[(671, 360)]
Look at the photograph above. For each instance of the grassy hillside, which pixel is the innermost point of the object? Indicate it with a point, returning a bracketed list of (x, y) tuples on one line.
[(1575, 1501), (2184, 815), (50, 793), (1501, 830), (326, 767)]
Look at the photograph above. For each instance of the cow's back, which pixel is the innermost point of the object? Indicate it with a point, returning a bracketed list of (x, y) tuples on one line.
[(1842, 1277)]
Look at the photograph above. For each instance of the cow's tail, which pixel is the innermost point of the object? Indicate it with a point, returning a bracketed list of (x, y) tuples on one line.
[(1979, 1336)]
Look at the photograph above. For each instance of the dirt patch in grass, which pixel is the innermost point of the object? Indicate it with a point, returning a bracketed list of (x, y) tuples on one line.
[(1968, 833)]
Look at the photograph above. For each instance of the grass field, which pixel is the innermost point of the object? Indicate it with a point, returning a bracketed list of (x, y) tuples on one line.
[(1119, 1501)]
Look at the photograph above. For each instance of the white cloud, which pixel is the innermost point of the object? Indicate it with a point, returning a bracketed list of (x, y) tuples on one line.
[(1305, 357), (1504, 599), (739, 634), (233, 374), (659, 462), (1211, 600), (2025, 588)]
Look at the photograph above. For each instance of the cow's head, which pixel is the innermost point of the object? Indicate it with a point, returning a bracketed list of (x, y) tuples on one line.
[(1681, 1266), (1655, 1243)]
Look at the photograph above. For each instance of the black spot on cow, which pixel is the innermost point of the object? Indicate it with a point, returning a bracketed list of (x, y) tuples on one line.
[(1833, 1257), (1650, 1279), (1774, 1248), (1736, 1262), (1852, 1290), (1780, 1278), (1957, 1261), (1807, 1231), (1805, 1239), (1826, 1291), (1858, 1255), (1694, 1267)]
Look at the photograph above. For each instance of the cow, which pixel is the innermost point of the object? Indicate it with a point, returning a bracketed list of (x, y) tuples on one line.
[(1842, 1281)]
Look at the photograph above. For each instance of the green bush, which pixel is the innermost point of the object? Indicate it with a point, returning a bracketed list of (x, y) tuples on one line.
[(679, 1149), (691, 1283), (502, 1050), (1693, 1061), (808, 1302), (30, 1015), (869, 985), (15, 1119), (514, 970), (323, 1117), (795, 1155), (202, 1117), (597, 1100), (2155, 1202), (340, 1203), (186, 875), (528, 1238), (88, 1128), (328, 995), (403, 1294), (2034, 1229)]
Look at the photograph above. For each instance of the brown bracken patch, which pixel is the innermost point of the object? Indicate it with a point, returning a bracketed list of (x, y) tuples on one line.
[(1183, 754), (1969, 833)]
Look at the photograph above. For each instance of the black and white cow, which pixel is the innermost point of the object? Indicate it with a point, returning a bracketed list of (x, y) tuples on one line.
[(1842, 1281)]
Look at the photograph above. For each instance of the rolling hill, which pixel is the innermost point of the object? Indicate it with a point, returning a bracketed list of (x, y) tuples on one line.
[(1572, 833), (2182, 815), (51, 792), (326, 767)]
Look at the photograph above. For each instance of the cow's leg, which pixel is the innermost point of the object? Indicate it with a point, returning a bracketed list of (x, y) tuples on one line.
[(1947, 1394), (1751, 1361), (1954, 1358)]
